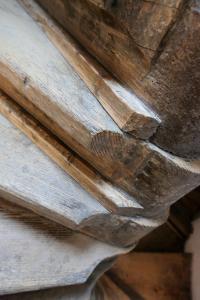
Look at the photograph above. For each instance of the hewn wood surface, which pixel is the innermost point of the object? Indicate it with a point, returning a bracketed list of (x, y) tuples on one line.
[(112, 198), (127, 31), (153, 176), (127, 110), (65, 104), (173, 86), (153, 276), (30, 179), (153, 47), (49, 82), (146, 22), (37, 254)]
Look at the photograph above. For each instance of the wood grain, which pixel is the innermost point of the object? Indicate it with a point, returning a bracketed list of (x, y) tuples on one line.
[(127, 110), (111, 197), (154, 177), (30, 179), (37, 254), (48, 82), (146, 21), (175, 78), (170, 82), (123, 31), (153, 276)]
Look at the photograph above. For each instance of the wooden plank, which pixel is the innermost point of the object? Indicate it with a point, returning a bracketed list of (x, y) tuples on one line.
[(153, 276), (30, 179), (151, 175), (111, 197), (37, 254), (127, 110)]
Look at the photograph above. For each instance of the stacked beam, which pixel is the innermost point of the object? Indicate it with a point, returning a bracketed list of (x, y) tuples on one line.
[(88, 161)]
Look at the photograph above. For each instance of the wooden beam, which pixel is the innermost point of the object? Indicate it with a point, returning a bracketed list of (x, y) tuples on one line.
[(153, 276), (51, 85), (127, 110), (154, 177), (166, 77), (146, 22), (30, 179), (114, 199), (123, 31), (37, 254)]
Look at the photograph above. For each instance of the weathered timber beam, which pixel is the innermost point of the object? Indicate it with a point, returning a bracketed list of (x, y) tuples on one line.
[(37, 254), (125, 31), (49, 83), (127, 110), (173, 86), (170, 83), (31, 180), (146, 21), (111, 197), (153, 176)]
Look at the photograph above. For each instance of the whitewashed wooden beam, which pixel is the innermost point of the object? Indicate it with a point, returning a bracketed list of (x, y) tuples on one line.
[(111, 197), (152, 46), (127, 110), (29, 178), (46, 85), (37, 254)]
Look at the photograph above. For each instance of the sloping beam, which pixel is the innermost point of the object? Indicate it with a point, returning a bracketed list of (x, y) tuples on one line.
[(37, 254), (114, 199), (30, 179), (127, 110), (168, 78), (151, 175)]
